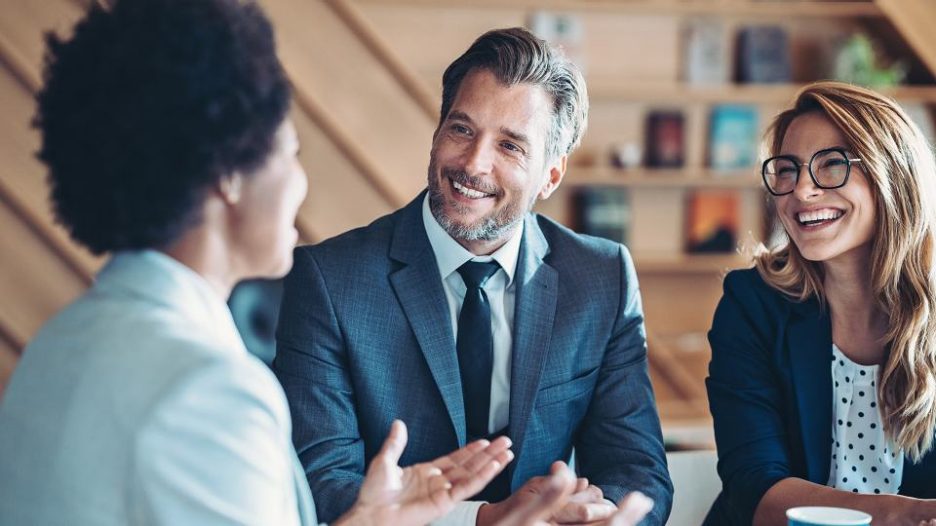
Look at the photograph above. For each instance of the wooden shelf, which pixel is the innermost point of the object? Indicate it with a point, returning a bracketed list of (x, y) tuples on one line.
[(675, 94), (663, 178), (690, 263), (729, 8)]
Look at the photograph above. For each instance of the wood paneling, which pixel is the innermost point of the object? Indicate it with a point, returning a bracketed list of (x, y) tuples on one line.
[(915, 19), (9, 355), (34, 281), (339, 199), (22, 178), (328, 64)]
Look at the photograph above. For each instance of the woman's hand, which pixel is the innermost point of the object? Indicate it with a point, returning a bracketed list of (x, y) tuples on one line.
[(423, 492)]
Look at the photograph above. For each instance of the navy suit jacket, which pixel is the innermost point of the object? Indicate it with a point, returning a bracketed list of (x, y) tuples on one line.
[(770, 391), (365, 337)]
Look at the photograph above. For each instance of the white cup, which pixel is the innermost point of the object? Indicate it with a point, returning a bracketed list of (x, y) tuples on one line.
[(825, 516)]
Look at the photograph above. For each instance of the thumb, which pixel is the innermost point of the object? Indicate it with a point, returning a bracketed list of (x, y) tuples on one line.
[(540, 506), (631, 509), (394, 444)]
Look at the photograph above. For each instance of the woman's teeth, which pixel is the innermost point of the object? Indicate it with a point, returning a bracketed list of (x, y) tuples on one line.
[(814, 217)]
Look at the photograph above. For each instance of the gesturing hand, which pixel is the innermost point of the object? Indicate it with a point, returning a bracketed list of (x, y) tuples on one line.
[(560, 498), (423, 492)]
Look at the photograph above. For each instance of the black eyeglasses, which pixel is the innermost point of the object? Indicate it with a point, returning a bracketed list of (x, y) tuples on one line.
[(828, 169)]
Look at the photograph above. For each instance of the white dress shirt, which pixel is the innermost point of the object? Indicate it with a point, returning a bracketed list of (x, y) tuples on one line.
[(501, 293)]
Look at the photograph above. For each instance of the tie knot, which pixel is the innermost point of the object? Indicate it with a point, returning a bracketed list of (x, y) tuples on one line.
[(476, 273)]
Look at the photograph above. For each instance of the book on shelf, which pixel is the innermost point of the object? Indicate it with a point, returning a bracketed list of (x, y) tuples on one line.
[(665, 143), (733, 137), (603, 211), (705, 52), (763, 55), (712, 219)]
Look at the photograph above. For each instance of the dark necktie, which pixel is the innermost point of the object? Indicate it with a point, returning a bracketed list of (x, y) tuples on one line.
[(475, 346)]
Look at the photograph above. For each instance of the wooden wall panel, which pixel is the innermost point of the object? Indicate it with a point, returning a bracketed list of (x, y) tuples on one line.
[(24, 22), (22, 176), (339, 199), (428, 38), (9, 354), (327, 63), (34, 281)]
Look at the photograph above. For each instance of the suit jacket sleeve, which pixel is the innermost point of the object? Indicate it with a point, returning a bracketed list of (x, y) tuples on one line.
[(215, 451), (620, 446), (311, 364), (745, 399)]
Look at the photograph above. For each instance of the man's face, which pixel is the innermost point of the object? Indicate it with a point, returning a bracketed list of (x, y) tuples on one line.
[(488, 161)]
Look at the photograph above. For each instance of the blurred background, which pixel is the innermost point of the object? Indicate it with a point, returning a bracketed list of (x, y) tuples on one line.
[(681, 91)]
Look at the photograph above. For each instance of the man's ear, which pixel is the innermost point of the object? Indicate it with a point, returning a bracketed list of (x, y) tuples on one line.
[(557, 171), (229, 188)]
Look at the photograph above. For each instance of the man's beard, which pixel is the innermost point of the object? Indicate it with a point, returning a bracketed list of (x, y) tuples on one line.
[(489, 228)]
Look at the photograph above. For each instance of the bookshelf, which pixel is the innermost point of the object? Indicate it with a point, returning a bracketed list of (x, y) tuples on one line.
[(663, 178), (634, 55), (610, 89), (689, 264), (731, 8)]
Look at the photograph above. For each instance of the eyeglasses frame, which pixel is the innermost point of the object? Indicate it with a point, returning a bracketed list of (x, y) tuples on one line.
[(808, 165)]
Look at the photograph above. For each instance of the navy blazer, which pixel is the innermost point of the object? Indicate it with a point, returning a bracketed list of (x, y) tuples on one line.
[(365, 336), (770, 392)]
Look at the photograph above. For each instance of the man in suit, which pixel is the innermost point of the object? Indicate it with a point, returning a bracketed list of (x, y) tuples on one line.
[(467, 316)]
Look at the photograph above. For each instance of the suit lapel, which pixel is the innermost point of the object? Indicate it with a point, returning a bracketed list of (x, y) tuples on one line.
[(810, 341), (537, 286), (419, 290)]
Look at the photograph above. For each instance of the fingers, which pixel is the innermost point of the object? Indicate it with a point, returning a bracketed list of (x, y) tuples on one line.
[(590, 493), (631, 510), (551, 494), (480, 459), (467, 482), (394, 444), (584, 512)]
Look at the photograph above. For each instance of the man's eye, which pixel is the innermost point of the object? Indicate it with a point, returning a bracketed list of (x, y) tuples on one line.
[(460, 129), (511, 146)]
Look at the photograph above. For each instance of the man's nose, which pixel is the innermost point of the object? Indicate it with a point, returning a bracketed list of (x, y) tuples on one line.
[(479, 158)]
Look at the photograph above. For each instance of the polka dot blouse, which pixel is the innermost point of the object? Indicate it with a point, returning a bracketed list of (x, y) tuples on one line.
[(863, 459)]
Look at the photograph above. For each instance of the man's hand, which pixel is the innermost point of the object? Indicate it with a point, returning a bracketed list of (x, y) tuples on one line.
[(423, 492), (562, 499), (586, 505)]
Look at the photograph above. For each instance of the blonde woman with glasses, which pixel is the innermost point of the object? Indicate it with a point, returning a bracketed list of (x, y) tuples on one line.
[(823, 376)]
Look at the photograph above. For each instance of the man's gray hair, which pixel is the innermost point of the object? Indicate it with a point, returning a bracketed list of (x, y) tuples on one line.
[(517, 56)]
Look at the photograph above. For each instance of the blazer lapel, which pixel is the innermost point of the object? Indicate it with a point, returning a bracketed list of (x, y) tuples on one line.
[(537, 286), (810, 344), (418, 287)]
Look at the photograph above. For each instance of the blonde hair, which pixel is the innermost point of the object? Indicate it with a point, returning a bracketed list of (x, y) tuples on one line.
[(901, 171)]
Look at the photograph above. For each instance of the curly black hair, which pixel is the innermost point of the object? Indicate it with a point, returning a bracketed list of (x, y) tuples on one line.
[(147, 106)]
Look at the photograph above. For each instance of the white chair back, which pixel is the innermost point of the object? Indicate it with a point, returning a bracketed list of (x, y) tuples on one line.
[(696, 485)]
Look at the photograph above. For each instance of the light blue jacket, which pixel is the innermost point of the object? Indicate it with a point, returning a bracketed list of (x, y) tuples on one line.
[(138, 404)]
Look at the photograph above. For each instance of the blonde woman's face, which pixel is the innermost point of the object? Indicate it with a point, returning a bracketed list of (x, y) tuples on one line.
[(827, 225)]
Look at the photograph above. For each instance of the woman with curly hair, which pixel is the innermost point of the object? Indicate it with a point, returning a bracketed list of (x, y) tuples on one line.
[(165, 131), (823, 376)]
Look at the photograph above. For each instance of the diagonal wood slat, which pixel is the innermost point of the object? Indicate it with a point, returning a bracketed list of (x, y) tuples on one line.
[(915, 20), (384, 53)]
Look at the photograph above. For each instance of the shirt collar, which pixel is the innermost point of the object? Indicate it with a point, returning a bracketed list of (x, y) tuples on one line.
[(164, 280), (450, 254)]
